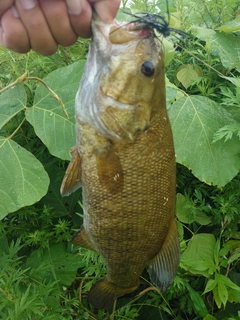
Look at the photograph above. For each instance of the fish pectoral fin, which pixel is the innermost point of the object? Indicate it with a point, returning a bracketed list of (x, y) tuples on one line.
[(103, 293), (72, 179), (110, 172), (81, 239), (163, 267)]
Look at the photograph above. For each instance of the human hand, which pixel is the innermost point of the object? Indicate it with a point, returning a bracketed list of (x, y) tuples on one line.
[(44, 24)]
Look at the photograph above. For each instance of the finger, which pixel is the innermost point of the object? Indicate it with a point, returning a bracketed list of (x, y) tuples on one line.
[(13, 34), (80, 13), (56, 14), (41, 39), (106, 9), (5, 5)]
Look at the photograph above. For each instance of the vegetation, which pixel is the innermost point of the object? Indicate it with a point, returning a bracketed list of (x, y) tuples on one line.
[(43, 276)]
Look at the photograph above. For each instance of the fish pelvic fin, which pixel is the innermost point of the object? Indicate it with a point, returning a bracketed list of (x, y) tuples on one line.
[(81, 239), (163, 267), (72, 179), (103, 294)]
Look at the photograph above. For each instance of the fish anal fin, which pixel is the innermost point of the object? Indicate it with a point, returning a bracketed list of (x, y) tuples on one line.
[(72, 178), (163, 267), (110, 172), (81, 239), (103, 294)]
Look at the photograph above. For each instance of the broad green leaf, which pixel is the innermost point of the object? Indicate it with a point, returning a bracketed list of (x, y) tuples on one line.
[(187, 213), (51, 125), (59, 264), (194, 122), (187, 73), (202, 33), (23, 180), (198, 258), (169, 51), (230, 26), (226, 46), (12, 101)]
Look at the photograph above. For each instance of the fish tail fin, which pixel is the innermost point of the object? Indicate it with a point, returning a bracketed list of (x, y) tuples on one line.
[(103, 294), (163, 267)]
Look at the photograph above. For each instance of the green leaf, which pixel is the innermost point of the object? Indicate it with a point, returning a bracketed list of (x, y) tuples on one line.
[(169, 51), (230, 26), (23, 180), (202, 33), (223, 293), (59, 264), (194, 122), (51, 125), (198, 302), (216, 297), (187, 213), (229, 246), (60, 205), (211, 284), (227, 282), (12, 101), (209, 317), (187, 73), (235, 81), (198, 258), (223, 290), (226, 46), (234, 256)]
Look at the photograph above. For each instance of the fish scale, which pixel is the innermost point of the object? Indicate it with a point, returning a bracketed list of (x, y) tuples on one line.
[(127, 164)]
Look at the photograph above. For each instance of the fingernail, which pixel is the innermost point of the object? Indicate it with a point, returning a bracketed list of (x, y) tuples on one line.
[(74, 6), (14, 11), (28, 4)]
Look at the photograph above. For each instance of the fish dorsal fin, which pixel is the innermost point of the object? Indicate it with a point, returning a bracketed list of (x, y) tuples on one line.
[(72, 179), (103, 293), (163, 267), (81, 239), (110, 172)]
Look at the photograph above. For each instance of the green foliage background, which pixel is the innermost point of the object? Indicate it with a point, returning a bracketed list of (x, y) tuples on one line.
[(42, 276)]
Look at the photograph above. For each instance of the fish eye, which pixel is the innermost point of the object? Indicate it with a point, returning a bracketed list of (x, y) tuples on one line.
[(147, 68)]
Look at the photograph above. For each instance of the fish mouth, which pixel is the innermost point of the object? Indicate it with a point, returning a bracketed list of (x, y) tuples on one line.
[(119, 32), (124, 32)]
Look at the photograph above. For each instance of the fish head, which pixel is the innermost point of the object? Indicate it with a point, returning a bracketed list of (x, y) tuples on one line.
[(123, 84)]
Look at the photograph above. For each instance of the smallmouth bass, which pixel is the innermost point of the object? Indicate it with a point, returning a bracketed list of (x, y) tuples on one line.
[(125, 162)]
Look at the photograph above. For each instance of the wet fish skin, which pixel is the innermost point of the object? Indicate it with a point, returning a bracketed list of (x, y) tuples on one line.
[(126, 158)]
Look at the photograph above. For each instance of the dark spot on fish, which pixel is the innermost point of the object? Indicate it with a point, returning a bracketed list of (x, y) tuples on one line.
[(147, 68)]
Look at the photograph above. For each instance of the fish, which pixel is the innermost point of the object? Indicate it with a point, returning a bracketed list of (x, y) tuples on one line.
[(124, 160)]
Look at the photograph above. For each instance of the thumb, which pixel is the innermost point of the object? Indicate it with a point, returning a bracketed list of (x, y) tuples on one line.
[(106, 9)]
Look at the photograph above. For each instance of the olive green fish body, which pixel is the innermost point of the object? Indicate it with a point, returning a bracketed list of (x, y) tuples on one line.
[(127, 163)]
